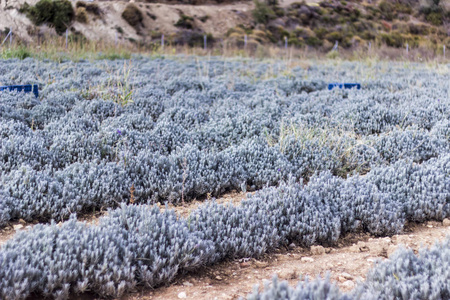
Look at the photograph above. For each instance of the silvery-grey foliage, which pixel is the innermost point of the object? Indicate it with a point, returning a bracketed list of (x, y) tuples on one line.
[(404, 275), (417, 145), (421, 190), (197, 127), (407, 275), (318, 289), (326, 163), (132, 245), (317, 213), (149, 247), (235, 231)]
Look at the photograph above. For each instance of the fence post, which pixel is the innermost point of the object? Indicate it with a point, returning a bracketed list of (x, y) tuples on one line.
[(444, 51), (407, 49), (162, 41), (10, 38), (204, 41), (245, 41), (6, 38), (286, 46), (67, 37), (335, 47)]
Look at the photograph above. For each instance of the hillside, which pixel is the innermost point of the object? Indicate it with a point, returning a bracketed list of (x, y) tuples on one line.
[(158, 18), (317, 24)]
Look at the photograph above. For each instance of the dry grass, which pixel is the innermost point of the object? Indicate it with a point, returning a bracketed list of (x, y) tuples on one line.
[(54, 47)]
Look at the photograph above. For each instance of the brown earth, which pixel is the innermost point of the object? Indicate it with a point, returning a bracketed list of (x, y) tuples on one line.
[(346, 264), (182, 211)]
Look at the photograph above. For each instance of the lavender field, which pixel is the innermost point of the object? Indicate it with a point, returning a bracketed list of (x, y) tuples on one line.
[(124, 135)]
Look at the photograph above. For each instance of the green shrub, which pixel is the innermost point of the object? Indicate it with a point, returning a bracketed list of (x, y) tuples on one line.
[(42, 12), (294, 41), (77, 37), (387, 10), (335, 36), (362, 25), (93, 8), (114, 55), (204, 18), (403, 8), (355, 14), (80, 4), (119, 29), (279, 12), (57, 13), (306, 19), (19, 52), (419, 29), (313, 41), (24, 8), (435, 18), (304, 32), (436, 13), (320, 32), (404, 17), (193, 38), (262, 13), (394, 39), (90, 7), (332, 55), (152, 16), (278, 32), (347, 41), (185, 22), (367, 35), (132, 15), (401, 27), (81, 15), (442, 32), (64, 15)]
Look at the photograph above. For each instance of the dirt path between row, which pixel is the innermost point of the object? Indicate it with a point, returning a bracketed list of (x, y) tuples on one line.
[(347, 263)]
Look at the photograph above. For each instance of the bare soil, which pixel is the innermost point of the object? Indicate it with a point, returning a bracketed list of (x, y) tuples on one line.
[(184, 210), (10, 229), (346, 265)]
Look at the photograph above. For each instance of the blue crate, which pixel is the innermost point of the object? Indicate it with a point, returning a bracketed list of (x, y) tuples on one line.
[(27, 88), (344, 86)]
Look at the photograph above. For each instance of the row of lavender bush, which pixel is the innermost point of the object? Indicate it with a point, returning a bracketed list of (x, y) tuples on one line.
[(140, 245), (199, 127), (404, 276)]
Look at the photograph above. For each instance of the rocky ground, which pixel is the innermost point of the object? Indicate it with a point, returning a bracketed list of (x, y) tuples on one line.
[(346, 264)]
